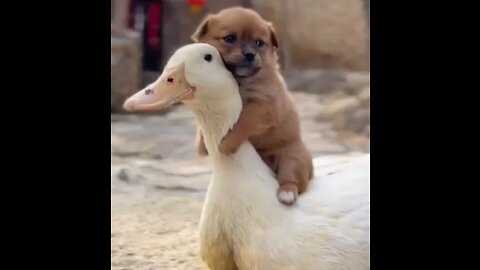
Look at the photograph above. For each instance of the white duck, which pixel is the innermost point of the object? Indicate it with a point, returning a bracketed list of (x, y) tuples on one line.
[(243, 226)]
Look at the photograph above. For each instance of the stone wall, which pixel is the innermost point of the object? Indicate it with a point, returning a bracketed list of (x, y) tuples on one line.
[(126, 66), (328, 34)]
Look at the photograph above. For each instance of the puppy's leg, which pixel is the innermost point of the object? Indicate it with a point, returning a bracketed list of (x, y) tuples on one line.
[(294, 172), (200, 144), (256, 118), (304, 168)]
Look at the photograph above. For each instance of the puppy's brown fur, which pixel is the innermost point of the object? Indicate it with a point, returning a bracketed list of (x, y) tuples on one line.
[(269, 119)]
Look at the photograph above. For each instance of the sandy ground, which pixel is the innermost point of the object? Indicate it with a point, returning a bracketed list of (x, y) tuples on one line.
[(158, 184)]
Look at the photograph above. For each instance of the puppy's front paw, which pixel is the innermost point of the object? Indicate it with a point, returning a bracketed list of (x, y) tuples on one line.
[(287, 193)]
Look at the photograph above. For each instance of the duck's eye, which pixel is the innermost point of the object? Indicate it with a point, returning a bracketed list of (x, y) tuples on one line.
[(207, 57), (259, 43), (230, 39), (170, 80)]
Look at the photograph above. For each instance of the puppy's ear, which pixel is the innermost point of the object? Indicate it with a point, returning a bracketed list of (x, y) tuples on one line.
[(273, 36), (202, 28)]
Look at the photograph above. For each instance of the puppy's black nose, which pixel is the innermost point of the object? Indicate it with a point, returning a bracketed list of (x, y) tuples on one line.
[(249, 57)]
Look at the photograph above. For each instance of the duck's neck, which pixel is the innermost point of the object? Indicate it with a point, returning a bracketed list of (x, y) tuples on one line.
[(237, 176), (216, 118)]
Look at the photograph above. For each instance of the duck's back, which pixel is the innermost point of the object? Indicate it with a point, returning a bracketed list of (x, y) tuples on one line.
[(328, 228), (341, 195), (338, 188)]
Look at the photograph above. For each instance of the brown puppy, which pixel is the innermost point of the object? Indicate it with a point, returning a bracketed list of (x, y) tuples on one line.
[(269, 119)]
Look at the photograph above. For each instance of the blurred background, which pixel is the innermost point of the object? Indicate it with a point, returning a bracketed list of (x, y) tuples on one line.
[(158, 182)]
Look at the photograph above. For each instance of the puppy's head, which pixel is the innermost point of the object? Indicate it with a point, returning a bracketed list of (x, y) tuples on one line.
[(246, 42)]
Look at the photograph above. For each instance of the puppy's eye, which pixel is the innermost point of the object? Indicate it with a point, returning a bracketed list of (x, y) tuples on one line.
[(207, 57), (259, 43), (230, 39)]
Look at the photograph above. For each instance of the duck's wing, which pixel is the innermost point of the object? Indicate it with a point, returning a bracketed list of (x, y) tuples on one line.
[(340, 193), (337, 178)]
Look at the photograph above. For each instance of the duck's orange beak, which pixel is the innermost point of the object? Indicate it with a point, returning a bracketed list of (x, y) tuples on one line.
[(172, 87)]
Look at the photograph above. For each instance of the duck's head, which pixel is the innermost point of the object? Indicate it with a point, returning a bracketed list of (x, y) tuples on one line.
[(194, 74)]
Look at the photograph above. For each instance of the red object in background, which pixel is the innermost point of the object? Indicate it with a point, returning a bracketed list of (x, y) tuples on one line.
[(196, 5), (196, 2), (153, 27), (146, 18)]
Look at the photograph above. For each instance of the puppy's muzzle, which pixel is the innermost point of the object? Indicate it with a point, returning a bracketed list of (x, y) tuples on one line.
[(248, 65)]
